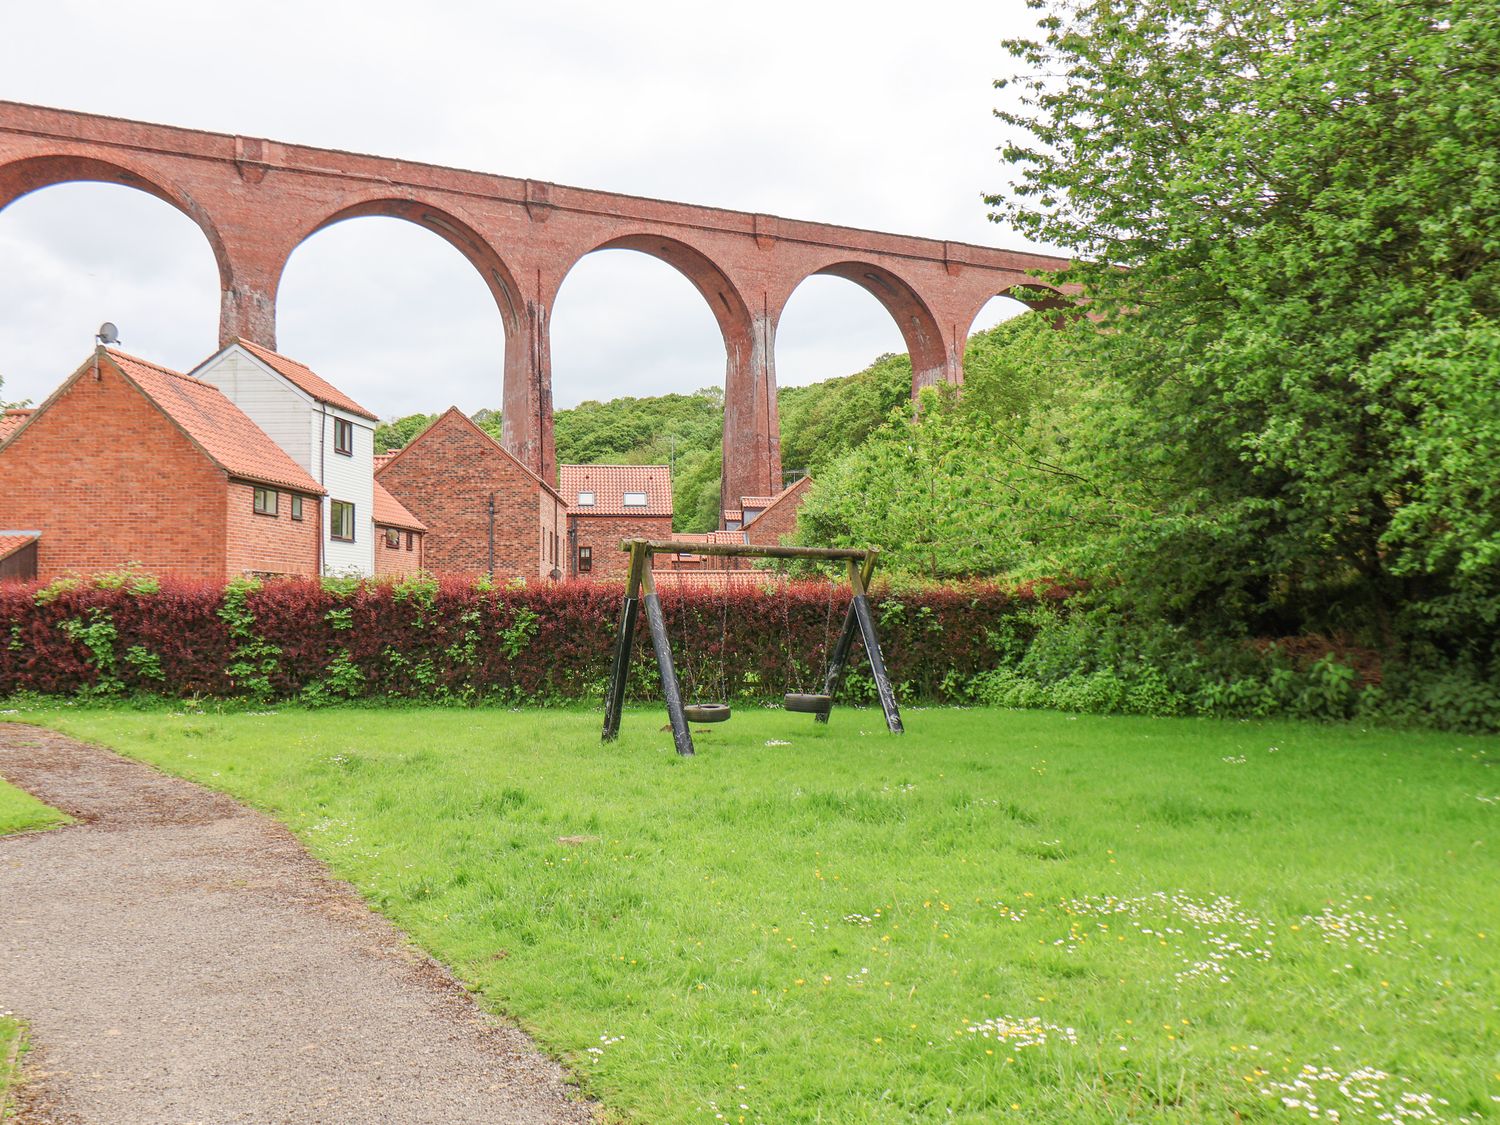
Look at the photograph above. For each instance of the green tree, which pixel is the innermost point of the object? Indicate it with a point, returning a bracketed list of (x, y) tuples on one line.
[(966, 485), (398, 433), (1287, 220)]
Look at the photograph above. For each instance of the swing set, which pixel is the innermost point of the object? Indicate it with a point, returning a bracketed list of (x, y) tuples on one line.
[(640, 588)]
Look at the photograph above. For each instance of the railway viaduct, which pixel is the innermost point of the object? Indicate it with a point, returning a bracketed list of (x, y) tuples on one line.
[(257, 200)]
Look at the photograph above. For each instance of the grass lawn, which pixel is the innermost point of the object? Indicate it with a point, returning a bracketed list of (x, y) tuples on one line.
[(1000, 916), (21, 812)]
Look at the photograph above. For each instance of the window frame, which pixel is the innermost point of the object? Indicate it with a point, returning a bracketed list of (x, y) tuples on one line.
[(255, 501), (627, 502), (297, 507), (343, 430), (392, 539), (585, 560), (592, 500), (333, 521)]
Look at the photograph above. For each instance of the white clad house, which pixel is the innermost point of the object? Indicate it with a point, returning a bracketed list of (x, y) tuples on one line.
[(324, 430)]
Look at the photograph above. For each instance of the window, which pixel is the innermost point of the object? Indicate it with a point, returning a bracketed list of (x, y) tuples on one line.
[(265, 501), (635, 500), (585, 559), (296, 506), (393, 539), (585, 499), (341, 520), (343, 437), (411, 538)]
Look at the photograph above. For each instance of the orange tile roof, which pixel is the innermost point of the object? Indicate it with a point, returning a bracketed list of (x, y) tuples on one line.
[(13, 541), (757, 501), (303, 376), (390, 512), (219, 427), (11, 421), (609, 483)]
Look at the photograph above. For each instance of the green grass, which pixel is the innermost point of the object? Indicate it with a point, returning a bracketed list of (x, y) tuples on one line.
[(813, 931), (21, 812), (12, 1044)]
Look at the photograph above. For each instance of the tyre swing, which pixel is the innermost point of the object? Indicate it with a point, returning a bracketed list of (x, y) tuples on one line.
[(799, 699), (699, 711), (640, 589)]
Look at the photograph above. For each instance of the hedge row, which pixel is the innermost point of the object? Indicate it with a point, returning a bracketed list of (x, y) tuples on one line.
[(450, 640)]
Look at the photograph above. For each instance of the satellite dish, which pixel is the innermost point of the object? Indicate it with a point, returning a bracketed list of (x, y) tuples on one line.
[(108, 333)]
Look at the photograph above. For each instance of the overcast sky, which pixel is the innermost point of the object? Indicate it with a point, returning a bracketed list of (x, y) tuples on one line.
[(872, 115)]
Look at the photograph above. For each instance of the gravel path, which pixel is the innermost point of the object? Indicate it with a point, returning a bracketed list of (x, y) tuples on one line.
[(182, 959)]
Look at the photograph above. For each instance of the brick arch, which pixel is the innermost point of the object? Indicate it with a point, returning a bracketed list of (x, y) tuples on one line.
[(34, 173), (722, 295), (752, 433), (447, 225), (1035, 295), (914, 318)]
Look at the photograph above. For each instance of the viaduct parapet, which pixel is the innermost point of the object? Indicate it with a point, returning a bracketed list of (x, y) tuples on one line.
[(257, 200)]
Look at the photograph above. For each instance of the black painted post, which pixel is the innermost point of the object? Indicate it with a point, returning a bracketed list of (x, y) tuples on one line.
[(680, 733), (620, 670), (861, 608), (835, 678), (619, 673)]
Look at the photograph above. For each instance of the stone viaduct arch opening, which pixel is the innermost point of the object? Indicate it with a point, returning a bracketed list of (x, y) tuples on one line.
[(828, 329), (79, 249), (394, 317), (624, 325), (1018, 300)]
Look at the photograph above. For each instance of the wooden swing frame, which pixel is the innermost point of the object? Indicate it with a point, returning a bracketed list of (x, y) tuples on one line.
[(641, 588)]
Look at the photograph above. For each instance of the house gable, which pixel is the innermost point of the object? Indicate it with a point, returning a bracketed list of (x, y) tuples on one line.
[(446, 476), (109, 479)]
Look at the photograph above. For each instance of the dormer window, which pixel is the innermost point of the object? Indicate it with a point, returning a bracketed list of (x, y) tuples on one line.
[(585, 499), (634, 500), (343, 437)]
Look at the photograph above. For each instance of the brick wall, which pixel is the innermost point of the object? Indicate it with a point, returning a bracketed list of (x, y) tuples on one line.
[(405, 558), (109, 480), (445, 477), (554, 538), (270, 544), (776, 524), (603, 535)]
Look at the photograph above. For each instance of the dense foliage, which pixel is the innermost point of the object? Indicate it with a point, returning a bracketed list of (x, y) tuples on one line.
[(419, 638), (1299, 363), (960, 486)]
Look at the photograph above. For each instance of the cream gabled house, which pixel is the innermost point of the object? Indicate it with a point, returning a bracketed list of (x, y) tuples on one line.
[(322, 429)]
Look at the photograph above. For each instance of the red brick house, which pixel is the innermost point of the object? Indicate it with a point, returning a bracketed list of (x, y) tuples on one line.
[(128, 462), (399, 537), (771, 520), (609, 503), (484, 511)]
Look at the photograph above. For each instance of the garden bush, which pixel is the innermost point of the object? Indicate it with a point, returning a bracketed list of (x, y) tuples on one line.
[(454, 641)]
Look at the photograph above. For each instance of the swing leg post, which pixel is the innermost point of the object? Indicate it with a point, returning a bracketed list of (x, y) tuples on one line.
[(860, 607), (620, 669), (835, 678), (681, 736)]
